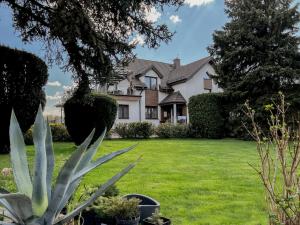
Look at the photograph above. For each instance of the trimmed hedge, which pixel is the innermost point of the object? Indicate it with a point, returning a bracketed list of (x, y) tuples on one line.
[(59, 134), (134, 130), (207, 116), (167, 130), (22, 78), (84, 113)]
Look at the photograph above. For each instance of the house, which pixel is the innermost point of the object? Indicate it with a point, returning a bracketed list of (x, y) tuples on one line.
[(159, 92)]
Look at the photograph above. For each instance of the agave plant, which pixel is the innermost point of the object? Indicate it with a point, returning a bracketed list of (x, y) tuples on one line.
[(37, 201)]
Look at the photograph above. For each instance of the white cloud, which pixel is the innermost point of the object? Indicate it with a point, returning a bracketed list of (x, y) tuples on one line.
[(54, 83), (56, 96), (151, 14), (192, 3), (138, 40), (175, 19), (66, 87)]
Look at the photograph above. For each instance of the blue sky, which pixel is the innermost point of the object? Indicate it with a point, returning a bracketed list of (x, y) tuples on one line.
[(193, 23)]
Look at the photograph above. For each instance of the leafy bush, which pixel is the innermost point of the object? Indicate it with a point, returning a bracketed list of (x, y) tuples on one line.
[(22, 77), (207, 115), (167, 130), (278, 152), (121, 208), (134, 130), (84, 113), (59, 134)]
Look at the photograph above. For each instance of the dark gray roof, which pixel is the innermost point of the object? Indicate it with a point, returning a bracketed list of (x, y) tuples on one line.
[(185, 72), (175, 97), (166, 71)]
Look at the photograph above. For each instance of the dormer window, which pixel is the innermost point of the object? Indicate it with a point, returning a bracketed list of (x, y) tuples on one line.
[(151, 82)]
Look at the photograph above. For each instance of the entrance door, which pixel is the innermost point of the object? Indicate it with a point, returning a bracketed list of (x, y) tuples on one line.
[(166, 114)]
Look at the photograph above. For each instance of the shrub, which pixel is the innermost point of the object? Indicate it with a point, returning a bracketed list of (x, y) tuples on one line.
[(122, 208), (22, 77), (59, 134), (168, 130), (278, 152), (207, 115), (84, 113), (134, 130), (122, 130)]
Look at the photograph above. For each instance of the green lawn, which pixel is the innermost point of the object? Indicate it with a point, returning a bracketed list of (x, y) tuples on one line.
[(196, 181)]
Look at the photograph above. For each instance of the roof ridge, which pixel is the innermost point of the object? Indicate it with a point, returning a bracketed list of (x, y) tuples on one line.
[(169, 64)]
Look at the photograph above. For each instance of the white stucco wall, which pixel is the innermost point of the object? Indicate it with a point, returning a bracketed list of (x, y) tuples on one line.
[(195, 85), (133, 112), (121, 86)]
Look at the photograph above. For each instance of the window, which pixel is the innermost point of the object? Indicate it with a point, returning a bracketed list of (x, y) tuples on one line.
[(123, 111), (151, 83), (151, 113)]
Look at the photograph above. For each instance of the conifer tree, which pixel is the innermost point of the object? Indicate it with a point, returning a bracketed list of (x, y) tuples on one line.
[(256, 53)]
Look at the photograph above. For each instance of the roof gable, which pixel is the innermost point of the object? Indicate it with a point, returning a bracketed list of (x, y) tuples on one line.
[(184, 73), (166, 72)]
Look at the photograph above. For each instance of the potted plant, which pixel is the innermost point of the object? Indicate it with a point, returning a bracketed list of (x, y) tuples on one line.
[(94, 214), (125, 211), (156, 219), (147, 205)]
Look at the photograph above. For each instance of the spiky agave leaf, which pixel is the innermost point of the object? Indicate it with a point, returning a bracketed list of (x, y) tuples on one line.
[(20, 204), (98, 193), (50, 161), (83, 162), (39, 194), (64, 178), (19, 158), (100, 161)]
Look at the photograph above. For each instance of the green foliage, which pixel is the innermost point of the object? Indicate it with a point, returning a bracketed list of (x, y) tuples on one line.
[(256, 55), (155, 218), (168, 130), (207, 115), (134, 130), (118, 207), (36, 201), (59, 134), (93, 43), (83, 113), (22, 77)]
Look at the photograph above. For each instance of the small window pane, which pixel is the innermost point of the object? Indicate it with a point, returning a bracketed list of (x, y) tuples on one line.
[(151, 113), (151, 83), (148, 82), (123, 111)]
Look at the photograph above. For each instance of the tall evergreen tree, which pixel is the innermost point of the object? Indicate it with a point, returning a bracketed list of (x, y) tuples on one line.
[(256, 53), (94, 34)]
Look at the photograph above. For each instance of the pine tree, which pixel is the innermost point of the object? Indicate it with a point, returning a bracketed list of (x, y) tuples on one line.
[(256, 53)]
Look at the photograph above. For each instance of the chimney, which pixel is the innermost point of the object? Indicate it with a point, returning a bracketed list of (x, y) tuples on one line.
[(176, 63)]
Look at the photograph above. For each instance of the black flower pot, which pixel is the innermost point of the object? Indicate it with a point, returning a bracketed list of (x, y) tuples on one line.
[(147, 206), (91, 218), (134, 221), (166, 221)]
